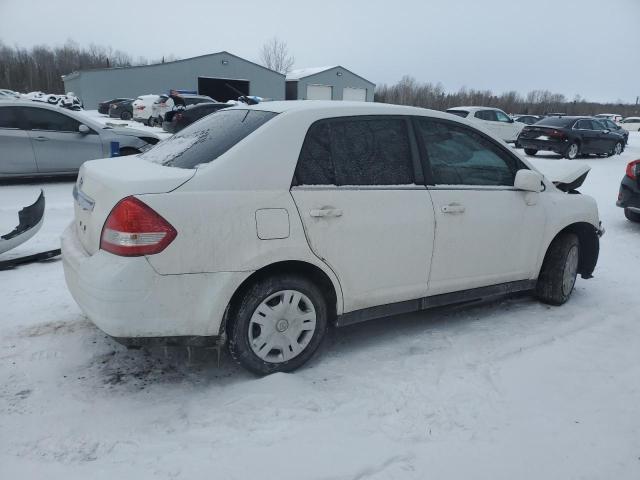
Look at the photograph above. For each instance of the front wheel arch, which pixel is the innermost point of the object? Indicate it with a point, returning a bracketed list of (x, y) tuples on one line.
[(589, 246)]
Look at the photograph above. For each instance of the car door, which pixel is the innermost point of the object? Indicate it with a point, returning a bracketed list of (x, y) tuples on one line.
[(57, 144), (16, 152), (509, 128), (487, 233), (365, 212)]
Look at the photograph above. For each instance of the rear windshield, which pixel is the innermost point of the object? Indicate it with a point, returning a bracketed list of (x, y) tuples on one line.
[(460, 113), (204, 141), (555, 122)]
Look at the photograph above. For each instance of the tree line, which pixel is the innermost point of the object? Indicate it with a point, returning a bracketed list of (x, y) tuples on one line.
[(41, 68), (408, 91)]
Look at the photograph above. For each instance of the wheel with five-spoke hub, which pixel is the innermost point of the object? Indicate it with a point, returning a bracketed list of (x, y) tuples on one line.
[(278, 324)]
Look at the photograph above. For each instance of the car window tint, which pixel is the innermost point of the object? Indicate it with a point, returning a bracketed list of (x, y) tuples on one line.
[(502, 117), (43, 119), (9, 117), (461, 156), (372, 152), (356, 152), (315, 163), (460, 113), (206, 140)]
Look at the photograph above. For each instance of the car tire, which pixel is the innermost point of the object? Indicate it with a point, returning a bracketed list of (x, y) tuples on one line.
[(572, 151), (617, 148), (632, 216), (559, 270), (530, 151), (125, 116), (265, 317)]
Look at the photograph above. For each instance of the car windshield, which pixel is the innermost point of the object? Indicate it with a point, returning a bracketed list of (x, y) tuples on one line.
[(554, 122), (206, 140)]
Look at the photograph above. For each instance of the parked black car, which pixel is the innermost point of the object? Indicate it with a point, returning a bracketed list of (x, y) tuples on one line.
[(629, 195), (526, 119), (103, 107), (614, 127), (122, 110), (570, 137), (176, 120)]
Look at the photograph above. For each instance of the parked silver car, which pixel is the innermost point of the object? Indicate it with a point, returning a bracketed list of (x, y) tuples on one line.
[(37, 139)]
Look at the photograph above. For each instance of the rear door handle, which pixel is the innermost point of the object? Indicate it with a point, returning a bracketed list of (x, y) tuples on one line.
[(325, 212), (452, 208), (41, 139)]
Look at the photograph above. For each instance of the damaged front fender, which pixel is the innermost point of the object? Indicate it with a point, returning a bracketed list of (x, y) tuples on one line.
[(30, 221)]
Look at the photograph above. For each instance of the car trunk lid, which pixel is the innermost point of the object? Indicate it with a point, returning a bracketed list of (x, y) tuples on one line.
[(103, 183)]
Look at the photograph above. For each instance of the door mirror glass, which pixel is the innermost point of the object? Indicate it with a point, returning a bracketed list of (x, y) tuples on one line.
[(528, 180), (83, 128)]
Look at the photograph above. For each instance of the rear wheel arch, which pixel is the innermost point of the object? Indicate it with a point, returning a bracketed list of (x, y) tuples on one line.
[(589, 246), (307, 270)]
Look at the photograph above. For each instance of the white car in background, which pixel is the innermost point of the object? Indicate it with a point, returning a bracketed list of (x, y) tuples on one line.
[(631, 124), (142, 107), (261, 225), (614, 117), (492, 119)]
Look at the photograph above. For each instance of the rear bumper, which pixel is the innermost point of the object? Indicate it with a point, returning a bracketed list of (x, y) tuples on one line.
[(557, 147), (127, 299), (629, 195)]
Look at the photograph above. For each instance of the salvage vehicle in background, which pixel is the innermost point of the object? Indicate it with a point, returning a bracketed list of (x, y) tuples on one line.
[(142, 107), (122, 110), (570, 137), (178, 119), (493, 119), (631, 124), (103, 107), (311, 213), (165, 105), (614, 117), (629, 194), (38, 139)]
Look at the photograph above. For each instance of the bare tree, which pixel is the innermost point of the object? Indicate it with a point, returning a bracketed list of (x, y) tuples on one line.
[(275, 55)]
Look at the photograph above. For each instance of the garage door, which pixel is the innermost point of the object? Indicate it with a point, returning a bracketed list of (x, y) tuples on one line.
[(354, 94), (319, 92)]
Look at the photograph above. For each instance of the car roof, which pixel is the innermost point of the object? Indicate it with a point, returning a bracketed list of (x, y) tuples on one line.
[(340, 107), (473, 109)]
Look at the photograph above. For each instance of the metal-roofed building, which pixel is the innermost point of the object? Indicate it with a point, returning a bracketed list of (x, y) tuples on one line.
[(328, 83), (222, 76)]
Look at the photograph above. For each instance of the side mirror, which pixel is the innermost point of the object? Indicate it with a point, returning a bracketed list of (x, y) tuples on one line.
[(606, 131), (528, 181), (83, 129)]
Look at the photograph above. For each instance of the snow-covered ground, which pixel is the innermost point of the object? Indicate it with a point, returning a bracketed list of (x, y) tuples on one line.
[(506, 390)]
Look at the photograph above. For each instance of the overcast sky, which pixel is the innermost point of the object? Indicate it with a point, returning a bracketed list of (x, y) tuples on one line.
[(586, 47)]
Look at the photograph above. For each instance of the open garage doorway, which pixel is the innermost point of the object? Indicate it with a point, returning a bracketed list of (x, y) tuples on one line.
[(222, 89)]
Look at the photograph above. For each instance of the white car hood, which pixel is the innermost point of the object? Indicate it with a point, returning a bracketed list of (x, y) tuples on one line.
[(561, 172)]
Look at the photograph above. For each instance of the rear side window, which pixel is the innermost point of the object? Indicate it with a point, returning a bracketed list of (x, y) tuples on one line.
[(488, 115), (368, 151), (460, 156), (9, 117), (204, 141), (43, 119), (460, 113)]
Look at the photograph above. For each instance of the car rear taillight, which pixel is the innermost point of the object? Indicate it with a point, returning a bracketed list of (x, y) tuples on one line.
[(140, 107), (633, 169), (556, 134), (133, 229)]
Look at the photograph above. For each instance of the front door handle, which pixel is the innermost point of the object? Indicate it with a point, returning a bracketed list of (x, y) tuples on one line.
[(452, 208), (325, 212), (41, 139)]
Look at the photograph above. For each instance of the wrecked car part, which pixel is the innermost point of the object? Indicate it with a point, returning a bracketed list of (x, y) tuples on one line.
[(30, 221)]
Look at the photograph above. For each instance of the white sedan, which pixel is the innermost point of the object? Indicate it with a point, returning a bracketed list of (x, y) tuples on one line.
[(262, 225), (631, 124), (492, 119)]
